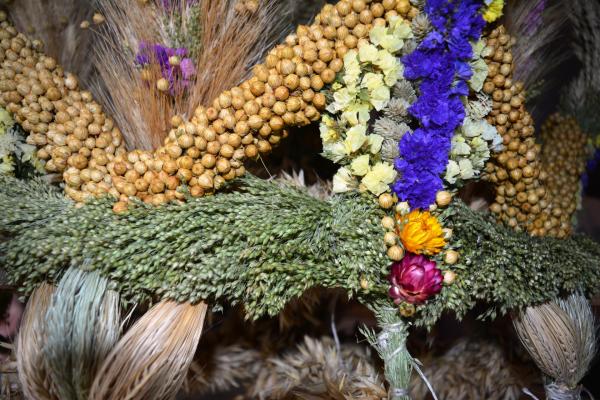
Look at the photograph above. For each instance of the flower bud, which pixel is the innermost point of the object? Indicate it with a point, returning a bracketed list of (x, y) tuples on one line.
[(443, 198), (449, 277), (388, 223), (395, 253), (451, 257), (386, 201), (402, 208), (407, 310)]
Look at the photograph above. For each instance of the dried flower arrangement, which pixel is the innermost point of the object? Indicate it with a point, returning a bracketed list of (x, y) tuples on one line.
[(413, 104)]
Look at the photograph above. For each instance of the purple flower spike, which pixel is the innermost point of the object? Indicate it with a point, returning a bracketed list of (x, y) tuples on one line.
[(441, 63)]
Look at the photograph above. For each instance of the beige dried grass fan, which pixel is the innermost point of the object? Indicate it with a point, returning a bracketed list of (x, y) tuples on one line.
[(561, 338)]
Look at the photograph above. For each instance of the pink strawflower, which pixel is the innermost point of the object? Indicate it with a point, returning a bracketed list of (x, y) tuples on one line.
[(414, 279)]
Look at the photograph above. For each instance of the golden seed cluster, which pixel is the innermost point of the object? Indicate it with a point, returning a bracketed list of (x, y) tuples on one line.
[(523, 200), (72, 133), (77, 139), (564, 156)]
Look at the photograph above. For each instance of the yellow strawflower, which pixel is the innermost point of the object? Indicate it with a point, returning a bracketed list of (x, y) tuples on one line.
[(493, 11), (422, 233)]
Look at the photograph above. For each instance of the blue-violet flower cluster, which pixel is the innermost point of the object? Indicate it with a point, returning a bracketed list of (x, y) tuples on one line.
[(441, 62)]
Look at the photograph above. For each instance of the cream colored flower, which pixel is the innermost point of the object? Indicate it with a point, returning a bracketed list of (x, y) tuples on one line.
[(342, 99), (380, 97), (377, 34), (460, 147), (336, 86), (356, 113), (343, 181), (328, 132), (27, 152), (351, 68), (401, 28), (367, 53), (452, 172), (6, 165), (335, 151), (374, 141), (391, 39), (466, 169), (360, 165), (372, 81), (403, 208), (355, 138), (390, 67), (379, 178)]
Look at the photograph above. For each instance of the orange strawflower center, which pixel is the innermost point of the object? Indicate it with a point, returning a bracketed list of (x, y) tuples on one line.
[(421, 233)]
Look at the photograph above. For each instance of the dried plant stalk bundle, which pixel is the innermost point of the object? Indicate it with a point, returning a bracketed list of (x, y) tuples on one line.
[(560, 336), (151, 360)]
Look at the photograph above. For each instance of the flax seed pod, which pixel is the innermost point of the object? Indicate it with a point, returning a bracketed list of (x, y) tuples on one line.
[(541, 195)]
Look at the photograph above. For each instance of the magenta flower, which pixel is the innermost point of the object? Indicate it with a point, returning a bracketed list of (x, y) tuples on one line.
[(414, 279)]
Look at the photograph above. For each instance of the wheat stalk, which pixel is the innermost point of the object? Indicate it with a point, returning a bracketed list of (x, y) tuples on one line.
[(33, 370), (473, 369), (317, 369), (231, 43), (139, 109), (150, 362)]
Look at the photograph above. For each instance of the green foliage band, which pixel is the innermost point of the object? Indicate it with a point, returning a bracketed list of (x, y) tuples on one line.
[(263, 243)]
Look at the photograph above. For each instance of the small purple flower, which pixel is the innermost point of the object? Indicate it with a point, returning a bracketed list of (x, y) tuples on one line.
[(180, 75), (188, 69)]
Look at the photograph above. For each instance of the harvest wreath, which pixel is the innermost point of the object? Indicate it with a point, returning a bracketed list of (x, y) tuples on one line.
[(413, 105)]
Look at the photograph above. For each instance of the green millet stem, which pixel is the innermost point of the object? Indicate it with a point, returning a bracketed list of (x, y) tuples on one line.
[(262, 243)]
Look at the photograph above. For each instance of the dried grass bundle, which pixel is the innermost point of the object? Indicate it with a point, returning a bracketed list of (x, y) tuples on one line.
[(303, 11), (229, 368), (10, 389), (231, 43), (317, 370), (473, 370), (581, 97), (151, 361), (59, 30), (585, 17), (224, 42), (139, 109), (560, 337), (82, 327), (539, 50), (33, 370)]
